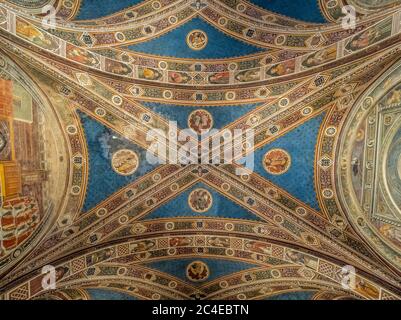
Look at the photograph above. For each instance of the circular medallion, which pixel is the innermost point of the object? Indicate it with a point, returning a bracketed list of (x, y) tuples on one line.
[(301, 211), (232, 66), (75, 190), (68, 4), (280, 39), (163, 65), (197, 271), (156, 296), (331, 131), (123, 219), (230, 95), (277, 161), (120, 36), (125, 162), (174, 187), (167, 94), (173, 19), (225, 186), (117, 100), (200, 200), (197, 39), (156, 177), (222, 21), (200, 120), (275, 273), (307, 111), (332, 3), (241, 7), (100, 112), (156, 5), (327, 193), (101, 212), (71, 129), (284, 102)]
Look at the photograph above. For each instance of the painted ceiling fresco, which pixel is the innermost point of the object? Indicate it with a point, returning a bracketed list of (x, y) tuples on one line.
[(82, 85)]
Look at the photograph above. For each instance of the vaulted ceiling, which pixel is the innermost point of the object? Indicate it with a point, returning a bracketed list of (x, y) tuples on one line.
[(79, 97)]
